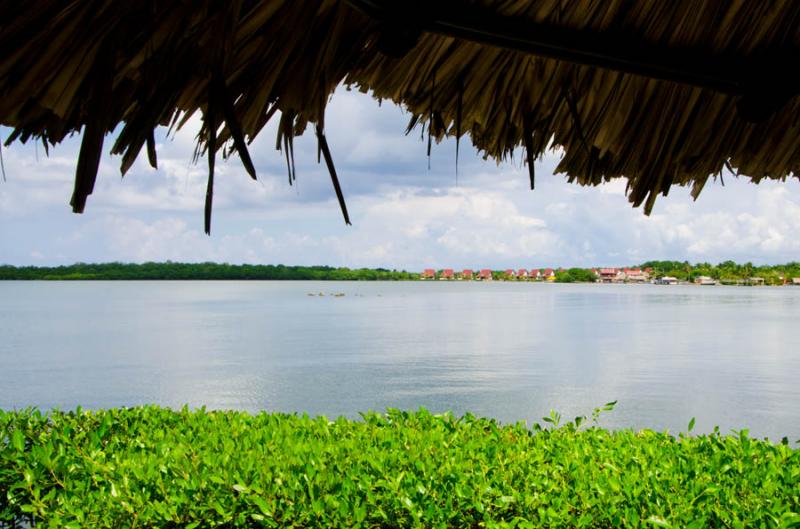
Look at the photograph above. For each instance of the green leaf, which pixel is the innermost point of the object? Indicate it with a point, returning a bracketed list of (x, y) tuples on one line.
[(691, 425), (658, 521), (17, 440), (262, 504)]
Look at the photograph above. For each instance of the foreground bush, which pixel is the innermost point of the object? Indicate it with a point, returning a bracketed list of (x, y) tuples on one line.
[(154, 467)]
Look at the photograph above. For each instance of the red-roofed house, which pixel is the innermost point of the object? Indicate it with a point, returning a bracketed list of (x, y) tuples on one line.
[(447, 274), (534, 274), (549, 275), (428, 273), (466, 274), (635, 275), (522, 273), (510, 274), (607, 275), (485, 275)]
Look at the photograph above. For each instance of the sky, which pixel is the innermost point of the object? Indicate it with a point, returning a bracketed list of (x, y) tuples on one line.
[(405, 215)]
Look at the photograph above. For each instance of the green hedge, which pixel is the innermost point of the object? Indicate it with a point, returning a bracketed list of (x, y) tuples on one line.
[(155, 467)]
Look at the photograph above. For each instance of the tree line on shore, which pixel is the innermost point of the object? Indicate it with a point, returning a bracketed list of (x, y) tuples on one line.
[(727, 271), (199, 271)]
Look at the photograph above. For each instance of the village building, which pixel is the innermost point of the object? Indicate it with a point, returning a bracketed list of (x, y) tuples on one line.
[(607, 275), (466, 274), (705, 281), (485, 275), (510, 274), (447, 275), (666, 280), (635, 275), (428, 273), (796, 281), (522, 274), (534, 274), (549, 274)]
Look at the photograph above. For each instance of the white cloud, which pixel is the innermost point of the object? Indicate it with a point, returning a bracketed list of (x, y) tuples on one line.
[(459, 226), (171, 238), (404, 215)]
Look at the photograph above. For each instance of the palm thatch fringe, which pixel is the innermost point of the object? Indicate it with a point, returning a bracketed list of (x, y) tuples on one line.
[(68, 65)]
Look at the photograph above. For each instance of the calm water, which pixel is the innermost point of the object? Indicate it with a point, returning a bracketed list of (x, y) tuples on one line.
[(728, 356)]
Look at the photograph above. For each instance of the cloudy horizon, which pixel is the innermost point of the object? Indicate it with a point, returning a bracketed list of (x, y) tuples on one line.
[(405, 216)]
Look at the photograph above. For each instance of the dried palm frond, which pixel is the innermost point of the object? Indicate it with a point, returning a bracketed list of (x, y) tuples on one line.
[(69, 65)]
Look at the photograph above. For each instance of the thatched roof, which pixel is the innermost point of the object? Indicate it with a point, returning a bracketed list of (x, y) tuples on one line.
[(660, 93)]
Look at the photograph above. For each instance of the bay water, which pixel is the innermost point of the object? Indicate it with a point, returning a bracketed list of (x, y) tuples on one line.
[(729, 356)]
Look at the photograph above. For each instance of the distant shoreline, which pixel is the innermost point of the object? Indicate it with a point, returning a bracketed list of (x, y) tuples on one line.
[(661, 272), (198, 272)]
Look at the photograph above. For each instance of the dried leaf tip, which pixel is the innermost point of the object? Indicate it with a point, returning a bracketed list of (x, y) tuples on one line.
[(211, 139), (326, 153), (152, 158), (529, 153), (2, 164), (234, 125)]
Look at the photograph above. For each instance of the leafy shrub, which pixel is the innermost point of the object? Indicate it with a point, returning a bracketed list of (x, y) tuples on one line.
[(155, 467)]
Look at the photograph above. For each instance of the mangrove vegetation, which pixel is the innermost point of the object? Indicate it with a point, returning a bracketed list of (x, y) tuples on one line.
[(199, 271), (155, 467)]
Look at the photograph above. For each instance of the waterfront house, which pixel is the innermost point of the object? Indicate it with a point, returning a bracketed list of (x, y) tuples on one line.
[(447, 275), (522, 274), (666, 280), (635, 275), (510, 274), (705, 281), (485, 275), (466, 274), (549, 274), (535, 274), (428, 273), (607, 275), (796, 281), (755, 281)]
